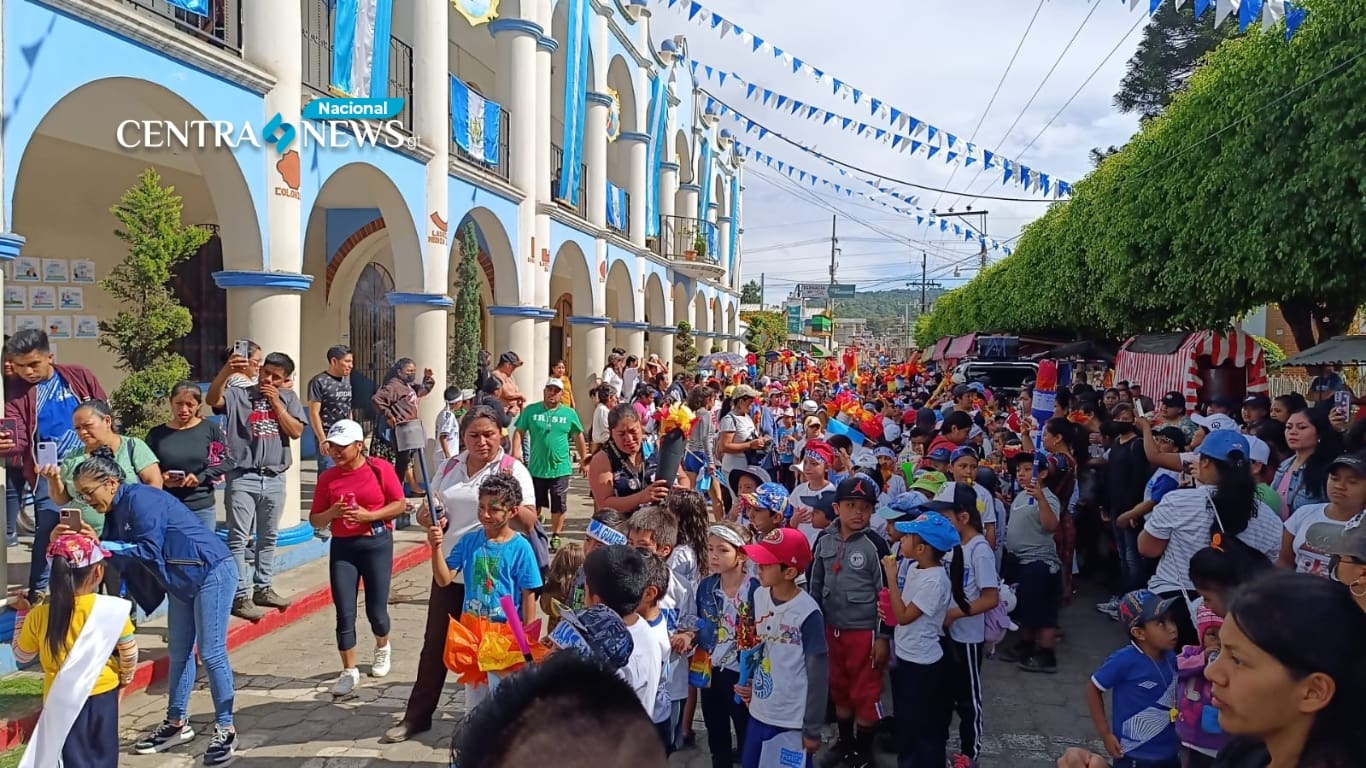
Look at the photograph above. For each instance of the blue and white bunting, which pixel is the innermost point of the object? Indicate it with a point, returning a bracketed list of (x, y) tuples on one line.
[(197, 7), (360, 48)]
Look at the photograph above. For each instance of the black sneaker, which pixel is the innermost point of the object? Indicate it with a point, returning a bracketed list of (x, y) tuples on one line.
[(221, 746), (244, 608), (269, 598), (858, 759), (1016, 653), (1040, 661), (166, 736), (839, 754)]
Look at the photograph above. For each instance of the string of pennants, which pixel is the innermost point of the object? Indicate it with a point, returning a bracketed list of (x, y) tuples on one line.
[(803, 176), (1271, 12), (932, 140)]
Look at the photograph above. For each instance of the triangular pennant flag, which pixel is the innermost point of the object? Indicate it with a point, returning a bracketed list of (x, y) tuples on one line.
[(1009, 171), (721, 78), (861, 129), (957, 230), (758, 43), (801, 176), (895, 114), (943, 225), (725, 28), (1201, 6), (767, 95), (878, 133), (716, 20), (919, 220), (762, 132), (896, 141), (950, 157), (750, 89), (811, 112), (875, 103), (1248, 12), (816, 72), (969, 160), (781, 101), (796, 65), (796, 107), (693, 66), (987, 156), (915, 126), (777, 52), (1272, 13), (952, 140), (828, 117), (1044, 183), (693, 10), (1152, 6), (837, 85), (933, 132), (857, 95), (707, 70), (933, 148), (845, 123), (915, 146), (1222, 8), (738, 29), (1024, 172), (1294, 17)]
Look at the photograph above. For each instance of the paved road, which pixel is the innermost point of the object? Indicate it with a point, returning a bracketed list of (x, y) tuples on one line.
[(285, 713)]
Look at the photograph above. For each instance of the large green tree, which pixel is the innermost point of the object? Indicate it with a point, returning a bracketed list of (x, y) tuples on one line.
[(1246, 190), (1173, 43), (766, 331), (752, 293)]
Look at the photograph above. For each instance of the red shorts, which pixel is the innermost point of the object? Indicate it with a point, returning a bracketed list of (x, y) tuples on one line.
[(854, 683)]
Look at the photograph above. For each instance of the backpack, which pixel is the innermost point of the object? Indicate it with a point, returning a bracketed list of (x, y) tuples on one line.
[(997, 622)]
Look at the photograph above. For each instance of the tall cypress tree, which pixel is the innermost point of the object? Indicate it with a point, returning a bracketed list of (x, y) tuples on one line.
[(465, 340), (685, 351)]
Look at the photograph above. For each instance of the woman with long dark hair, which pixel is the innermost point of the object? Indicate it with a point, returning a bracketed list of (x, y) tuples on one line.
[(1303, 477), (1066, 445), (396, 403), (1224, 508), (192, 452), (619, 475)]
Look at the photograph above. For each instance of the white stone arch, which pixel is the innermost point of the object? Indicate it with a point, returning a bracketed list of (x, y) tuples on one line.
[(683, 306), (618, 161), (701, 316), (732, 319), (360, 185), (496, 273), (718, 323), (683, 152), (620, 304), (656, 307), (571, 295)]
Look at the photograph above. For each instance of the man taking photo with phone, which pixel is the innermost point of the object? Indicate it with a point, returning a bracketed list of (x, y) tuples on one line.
[(41, 398)]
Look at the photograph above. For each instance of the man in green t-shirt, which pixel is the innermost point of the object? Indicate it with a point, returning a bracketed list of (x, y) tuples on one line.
[(549, 424)]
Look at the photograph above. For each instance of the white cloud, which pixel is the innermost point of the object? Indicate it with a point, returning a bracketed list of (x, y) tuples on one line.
[(939, 60)]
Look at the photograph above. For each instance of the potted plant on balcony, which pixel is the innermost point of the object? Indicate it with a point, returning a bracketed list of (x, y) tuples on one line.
[(699, 244)]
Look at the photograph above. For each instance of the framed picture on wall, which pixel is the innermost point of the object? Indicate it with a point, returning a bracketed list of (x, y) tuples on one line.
[(71, 299), (42, 297), (27, 322), (55, 271), (87, 327), (28, 270), (82, 271), (16, 297), (59, 326)]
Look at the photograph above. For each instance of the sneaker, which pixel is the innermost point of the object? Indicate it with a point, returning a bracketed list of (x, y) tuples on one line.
[(402, 732), (555, 542), (221, 747), (269, 598), (244, 608), (346, 683), (839, 753), (380, 666), (858, 759), (166, 735), (962, 761), (1113, 614), (1040, 661), (1109, 605), (1016, 653)]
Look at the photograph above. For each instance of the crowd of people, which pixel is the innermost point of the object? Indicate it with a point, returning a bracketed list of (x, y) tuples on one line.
[(836, 545)]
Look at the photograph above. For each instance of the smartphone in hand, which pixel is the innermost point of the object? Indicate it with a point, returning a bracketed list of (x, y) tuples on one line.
[(242, 348), (46, 453), (1342, 402), (9, 427), (70, 517)]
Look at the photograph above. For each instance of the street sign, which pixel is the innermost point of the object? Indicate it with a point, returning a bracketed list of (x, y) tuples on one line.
[(813, 291), (794, 317), (841, 291)]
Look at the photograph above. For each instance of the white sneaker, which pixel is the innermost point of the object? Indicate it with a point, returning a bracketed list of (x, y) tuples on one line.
[(346, 682), (380, 667)]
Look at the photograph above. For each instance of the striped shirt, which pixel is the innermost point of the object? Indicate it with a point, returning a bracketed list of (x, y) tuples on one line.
[(1184, 519)]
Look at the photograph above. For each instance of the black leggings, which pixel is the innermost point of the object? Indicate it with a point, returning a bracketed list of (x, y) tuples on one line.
[(355, 560), (720, 712)]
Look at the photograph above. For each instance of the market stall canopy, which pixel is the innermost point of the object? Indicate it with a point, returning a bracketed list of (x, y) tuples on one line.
[(731, 359), (939, 346), (961, 347), (1339, 350)]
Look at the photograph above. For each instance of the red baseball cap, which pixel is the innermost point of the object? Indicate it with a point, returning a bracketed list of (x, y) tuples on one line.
[(782, 546)]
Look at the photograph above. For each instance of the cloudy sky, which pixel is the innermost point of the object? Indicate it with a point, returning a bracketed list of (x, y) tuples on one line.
[(939, 60)]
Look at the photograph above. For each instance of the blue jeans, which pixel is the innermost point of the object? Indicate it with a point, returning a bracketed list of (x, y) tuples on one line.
[(45, 514), (205, 621), (14, 499), (254, 504), (1132, 573), (208, 516)]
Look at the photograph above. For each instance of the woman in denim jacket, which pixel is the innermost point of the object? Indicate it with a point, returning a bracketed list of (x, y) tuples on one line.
[(1302, 478)]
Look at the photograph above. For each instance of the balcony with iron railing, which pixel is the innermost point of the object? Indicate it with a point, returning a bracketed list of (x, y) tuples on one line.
[(317, 64), (580, 208), (692, 245), (501, 168), (221, 28)]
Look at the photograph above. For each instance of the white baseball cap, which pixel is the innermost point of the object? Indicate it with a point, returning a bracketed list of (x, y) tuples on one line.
[(1216, 422), (810, 406), (1258, 450), (554, 382), (345, 432)]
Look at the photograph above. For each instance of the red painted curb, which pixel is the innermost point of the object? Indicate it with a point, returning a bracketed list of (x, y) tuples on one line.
[(16, 730)]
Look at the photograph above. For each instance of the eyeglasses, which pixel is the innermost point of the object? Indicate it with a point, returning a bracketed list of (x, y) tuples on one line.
[(87, 495), (1336, 560)]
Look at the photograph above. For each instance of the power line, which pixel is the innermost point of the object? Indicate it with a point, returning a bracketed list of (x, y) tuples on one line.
[(856, 168)]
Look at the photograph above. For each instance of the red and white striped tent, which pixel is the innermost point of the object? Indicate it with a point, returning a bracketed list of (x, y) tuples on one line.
[(1167, 362)]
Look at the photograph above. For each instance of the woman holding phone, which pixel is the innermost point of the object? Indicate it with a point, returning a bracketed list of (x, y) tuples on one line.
[(94, 425), (358, 498), (191, 451)]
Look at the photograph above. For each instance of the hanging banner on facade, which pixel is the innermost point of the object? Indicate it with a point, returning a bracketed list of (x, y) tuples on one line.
[(477, 11), (659, 115), (475, 122), (616, 207), (734, 222), (198, 7), (614, 115), (575, 98), (360, 48), (704, 197)]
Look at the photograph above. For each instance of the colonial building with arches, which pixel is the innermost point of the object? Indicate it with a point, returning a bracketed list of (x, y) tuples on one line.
[(322, 244)]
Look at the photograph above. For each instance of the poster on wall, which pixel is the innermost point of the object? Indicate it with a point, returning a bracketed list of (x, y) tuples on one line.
[(72, 299), (87, 327), (16, 297), (42, 297), (59, 326), (28, 322), (55, 271), (82, 271), (26, 270)]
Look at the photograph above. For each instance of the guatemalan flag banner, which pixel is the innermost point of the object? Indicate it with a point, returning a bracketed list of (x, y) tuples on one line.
[(475, 122), (200, 7), (360, 48)]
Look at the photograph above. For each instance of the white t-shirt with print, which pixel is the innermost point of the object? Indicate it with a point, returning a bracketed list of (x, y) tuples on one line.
[(1309, 559), (645, 667), (801, 491), (979, 573), (929, 590), (1184, 518)]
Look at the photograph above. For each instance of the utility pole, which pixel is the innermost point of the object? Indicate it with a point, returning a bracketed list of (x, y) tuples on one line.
[(829, 302), (981, 230), (761, 291), (924, 282)]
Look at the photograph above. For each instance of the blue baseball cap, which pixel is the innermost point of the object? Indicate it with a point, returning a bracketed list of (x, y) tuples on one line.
[(936, 530), (939, 454), (1141, 606), (770, 496), (965, 450), (1219, 444), (905, 505)]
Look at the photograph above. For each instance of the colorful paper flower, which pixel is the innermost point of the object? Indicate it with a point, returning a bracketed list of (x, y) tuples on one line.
[(476, 646), (680, 417)]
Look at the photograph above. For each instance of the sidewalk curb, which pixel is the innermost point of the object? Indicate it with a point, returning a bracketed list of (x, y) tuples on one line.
[(15, 731)]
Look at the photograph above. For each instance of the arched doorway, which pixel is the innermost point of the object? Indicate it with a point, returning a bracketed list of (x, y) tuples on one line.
[(372, 336), (208, 304)]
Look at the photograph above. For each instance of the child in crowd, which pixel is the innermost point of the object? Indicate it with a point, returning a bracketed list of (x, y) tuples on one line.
[(652, 651), (559, 582), (687, 563), (654, 530), (617, 576), (53, 630), (1141, 679), (606, 529), (785, 446), (448, 421), (918, 609), (599, 630), (846, 575), (1033, 554), (496, 560), (1197, 722), (815, 467), (972, 566), (963, 464), (725, 618), (787, 694), (766, 508), (889, 474)]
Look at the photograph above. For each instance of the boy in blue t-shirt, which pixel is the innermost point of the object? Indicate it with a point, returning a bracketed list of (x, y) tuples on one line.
[(496, 561), (1141, 679)]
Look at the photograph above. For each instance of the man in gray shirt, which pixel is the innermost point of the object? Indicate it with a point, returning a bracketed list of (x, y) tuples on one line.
[(260, 420)]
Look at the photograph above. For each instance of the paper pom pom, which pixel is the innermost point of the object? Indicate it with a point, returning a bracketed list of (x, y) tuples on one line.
[(680, 417)]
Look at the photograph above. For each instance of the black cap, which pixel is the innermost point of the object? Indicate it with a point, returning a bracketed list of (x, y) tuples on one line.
[(825, 502), (1257, 401), (961, 389), (509, 358), (1173, 434), (1174, 400), (1353, 461), (857, 487)]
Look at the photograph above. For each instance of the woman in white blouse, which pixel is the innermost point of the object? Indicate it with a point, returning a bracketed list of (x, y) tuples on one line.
[(456, 488), (1346, 500)]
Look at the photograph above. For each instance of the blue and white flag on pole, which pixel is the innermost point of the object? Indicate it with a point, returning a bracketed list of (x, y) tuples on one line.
[(199, 7), (475, 122), (360, 48)]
